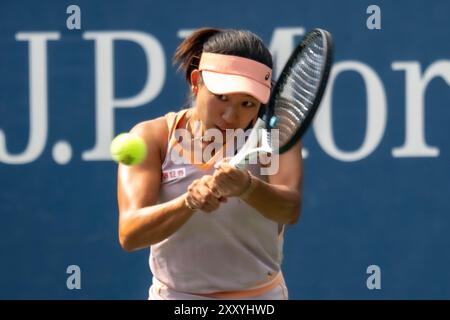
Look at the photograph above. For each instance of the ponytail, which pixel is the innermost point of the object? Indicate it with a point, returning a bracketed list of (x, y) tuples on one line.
[(188, 53), (240, 43)]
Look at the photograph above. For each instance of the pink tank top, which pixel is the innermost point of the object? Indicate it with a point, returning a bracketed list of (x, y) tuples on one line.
[(231, 249)]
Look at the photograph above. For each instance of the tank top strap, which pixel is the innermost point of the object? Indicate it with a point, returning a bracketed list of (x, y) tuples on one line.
[(172, 119)]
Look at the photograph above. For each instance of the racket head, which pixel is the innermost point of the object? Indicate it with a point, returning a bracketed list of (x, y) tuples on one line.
[(299, 90)]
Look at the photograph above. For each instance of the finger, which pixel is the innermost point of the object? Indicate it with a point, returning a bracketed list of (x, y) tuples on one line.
[(225, 167), (208, 207), (223, 187), (210, 184), (208, 196), (223, 199), (206, 179), (199, 184), (223, 161), (198, 195), (236, 175), (221, 174), (225, 177), (230, 171), (193, 201), (213, 188)]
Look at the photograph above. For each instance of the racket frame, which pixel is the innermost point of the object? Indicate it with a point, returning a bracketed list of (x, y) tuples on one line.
[(259, 133), (328, 46)]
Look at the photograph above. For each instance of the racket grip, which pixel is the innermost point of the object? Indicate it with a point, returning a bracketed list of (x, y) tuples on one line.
[(243, 160), (239, 161)]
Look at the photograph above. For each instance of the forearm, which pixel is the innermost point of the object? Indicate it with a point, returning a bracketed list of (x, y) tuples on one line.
[(150, 225), (275, 202)]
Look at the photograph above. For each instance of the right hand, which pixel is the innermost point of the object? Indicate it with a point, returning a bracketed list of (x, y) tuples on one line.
[(200, 196)]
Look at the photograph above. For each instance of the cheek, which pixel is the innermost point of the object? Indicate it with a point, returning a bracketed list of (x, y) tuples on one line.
[(203, 106), (249, 115), (206, 110), (213, 108)]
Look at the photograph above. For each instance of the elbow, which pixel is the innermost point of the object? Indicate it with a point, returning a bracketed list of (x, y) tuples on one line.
[(126, 246), (293, 208), (126, 240), (130, 245), (295, 217), (125, 243), (296, 213), (132, 240)]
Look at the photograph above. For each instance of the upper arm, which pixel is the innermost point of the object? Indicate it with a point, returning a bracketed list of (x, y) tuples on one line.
[(138, 186), (290, 169)]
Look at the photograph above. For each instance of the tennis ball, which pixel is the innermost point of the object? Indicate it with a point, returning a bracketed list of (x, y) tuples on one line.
[(128, 149)]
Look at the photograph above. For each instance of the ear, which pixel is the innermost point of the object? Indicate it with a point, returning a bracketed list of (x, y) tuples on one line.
[(195, 74)]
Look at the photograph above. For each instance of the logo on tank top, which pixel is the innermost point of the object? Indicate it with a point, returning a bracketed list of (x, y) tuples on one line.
[(173, 174)]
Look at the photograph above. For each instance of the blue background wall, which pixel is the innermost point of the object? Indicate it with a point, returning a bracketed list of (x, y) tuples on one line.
[(382, 210)]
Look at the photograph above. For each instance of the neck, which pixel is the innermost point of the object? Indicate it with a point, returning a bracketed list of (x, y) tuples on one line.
[(196, 128)]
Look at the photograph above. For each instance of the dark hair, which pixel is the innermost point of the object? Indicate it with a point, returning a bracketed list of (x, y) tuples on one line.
[(240, 43)]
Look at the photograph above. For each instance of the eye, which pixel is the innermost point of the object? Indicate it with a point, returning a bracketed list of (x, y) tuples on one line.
[(221, 97), (248, 104)]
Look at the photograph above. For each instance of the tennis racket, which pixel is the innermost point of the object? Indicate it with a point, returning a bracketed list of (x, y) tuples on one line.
[(294, 100)]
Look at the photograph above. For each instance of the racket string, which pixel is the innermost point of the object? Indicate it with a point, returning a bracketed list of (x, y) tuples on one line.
[(299, 88)]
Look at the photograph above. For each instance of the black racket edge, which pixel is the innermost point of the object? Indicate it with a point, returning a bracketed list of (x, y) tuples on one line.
[(318, 98)]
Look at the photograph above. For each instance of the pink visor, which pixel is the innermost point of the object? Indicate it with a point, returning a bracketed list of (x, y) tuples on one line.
[(225, 74)]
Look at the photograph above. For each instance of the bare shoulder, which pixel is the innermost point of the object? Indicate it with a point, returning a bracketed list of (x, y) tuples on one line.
[(154, 132), (151, 129), (138, 186)]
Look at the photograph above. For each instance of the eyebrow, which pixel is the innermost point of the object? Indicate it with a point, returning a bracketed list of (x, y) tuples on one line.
[(246, 95)]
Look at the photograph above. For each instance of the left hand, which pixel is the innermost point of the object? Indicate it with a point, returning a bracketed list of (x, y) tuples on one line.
[(229, 181)]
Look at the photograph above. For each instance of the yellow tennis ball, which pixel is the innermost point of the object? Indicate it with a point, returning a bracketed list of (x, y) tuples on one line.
[(129, 149)]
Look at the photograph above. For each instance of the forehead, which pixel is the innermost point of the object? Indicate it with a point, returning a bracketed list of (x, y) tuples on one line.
[(235, 95), (241, 96)]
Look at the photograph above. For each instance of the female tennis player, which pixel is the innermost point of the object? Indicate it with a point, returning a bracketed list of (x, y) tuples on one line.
[(214, 231)]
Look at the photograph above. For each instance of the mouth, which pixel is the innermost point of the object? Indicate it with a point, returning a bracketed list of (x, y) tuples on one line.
[(224, 129), (221, 129)]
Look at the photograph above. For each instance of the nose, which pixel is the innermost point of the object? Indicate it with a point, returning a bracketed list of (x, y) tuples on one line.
[(230, 116)]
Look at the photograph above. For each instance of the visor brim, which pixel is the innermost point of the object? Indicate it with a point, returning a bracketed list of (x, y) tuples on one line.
[(220, 83)]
